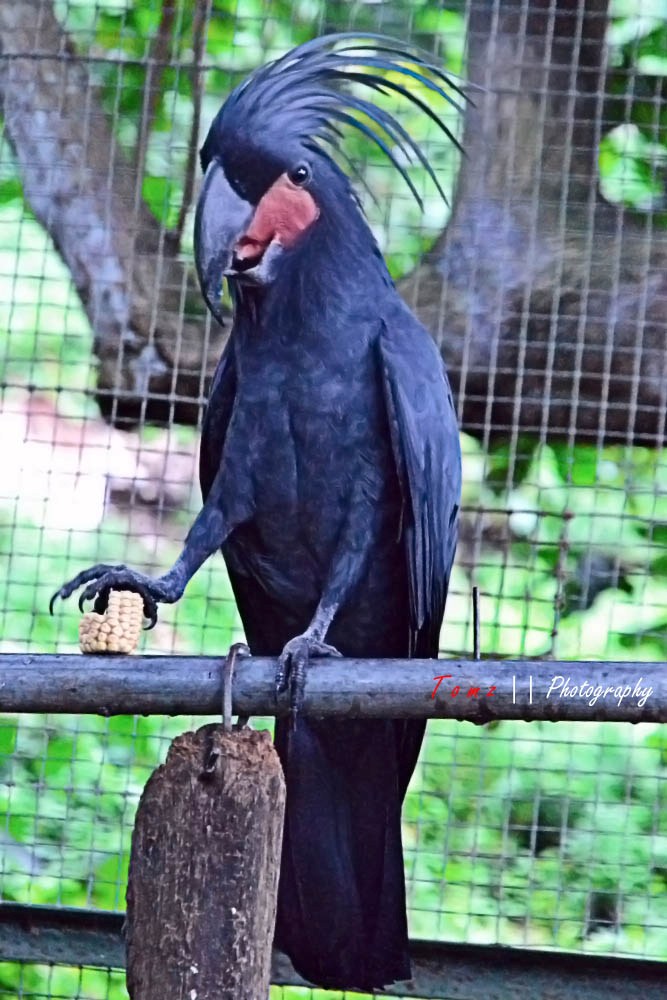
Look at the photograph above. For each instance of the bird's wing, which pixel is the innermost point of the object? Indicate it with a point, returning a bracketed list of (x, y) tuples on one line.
[(425, 442), (217, 417)]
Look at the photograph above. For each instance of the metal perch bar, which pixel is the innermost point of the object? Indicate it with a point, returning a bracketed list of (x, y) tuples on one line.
[(476, 691), (440, 969)]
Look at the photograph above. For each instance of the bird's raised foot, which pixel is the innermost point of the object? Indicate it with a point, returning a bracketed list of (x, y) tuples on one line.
[(293, 667), (99, 580)]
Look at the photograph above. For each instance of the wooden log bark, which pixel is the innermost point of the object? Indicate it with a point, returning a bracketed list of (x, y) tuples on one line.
[(204, 866)]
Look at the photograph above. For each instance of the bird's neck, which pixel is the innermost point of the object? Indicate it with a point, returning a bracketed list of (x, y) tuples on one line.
[(333, 282)]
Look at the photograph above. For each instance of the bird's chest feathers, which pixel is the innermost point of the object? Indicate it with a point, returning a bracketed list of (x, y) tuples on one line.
[(302, 431)]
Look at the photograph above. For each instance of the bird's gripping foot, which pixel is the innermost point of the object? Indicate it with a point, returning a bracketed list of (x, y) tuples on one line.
[(293, 668), (100, 579)]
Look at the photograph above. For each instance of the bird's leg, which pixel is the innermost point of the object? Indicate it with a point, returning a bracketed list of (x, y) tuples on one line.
[(348, 565), (296, 654), (205, 536)]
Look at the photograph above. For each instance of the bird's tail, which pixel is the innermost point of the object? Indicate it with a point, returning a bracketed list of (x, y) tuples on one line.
[(341, 902)]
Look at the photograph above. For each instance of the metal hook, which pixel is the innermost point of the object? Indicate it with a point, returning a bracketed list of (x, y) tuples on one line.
[(475, 623), (228, 667)]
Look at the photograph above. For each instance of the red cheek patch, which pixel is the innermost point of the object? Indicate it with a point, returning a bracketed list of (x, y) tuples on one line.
[(284, 212)]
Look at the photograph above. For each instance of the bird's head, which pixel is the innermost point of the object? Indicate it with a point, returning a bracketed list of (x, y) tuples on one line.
[(269, 180)]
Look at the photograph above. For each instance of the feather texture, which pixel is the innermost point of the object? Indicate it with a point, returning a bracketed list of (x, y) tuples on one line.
[(302, 97)]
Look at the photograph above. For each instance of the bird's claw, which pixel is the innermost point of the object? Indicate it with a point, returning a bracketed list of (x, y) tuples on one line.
[(293, 668), (99, 580)]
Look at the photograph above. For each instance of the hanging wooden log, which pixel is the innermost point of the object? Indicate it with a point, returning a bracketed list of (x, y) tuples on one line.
[(204, 866)]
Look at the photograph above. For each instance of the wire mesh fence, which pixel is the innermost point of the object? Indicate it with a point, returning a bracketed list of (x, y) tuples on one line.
[(48, 982), (546, 292)]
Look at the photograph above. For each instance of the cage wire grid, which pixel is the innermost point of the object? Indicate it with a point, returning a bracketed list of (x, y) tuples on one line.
[(523, 834)]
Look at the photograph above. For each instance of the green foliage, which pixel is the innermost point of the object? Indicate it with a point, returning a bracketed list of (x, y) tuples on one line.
[(542, 829), (633, 156)]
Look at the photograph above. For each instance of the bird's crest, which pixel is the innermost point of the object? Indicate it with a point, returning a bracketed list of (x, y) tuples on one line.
[(306, 96)]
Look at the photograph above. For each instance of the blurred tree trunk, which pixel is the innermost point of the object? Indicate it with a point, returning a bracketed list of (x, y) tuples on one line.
[(549, 304), (143, 303)]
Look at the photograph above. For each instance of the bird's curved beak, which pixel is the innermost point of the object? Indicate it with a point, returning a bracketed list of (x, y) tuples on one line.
[(221, 219)]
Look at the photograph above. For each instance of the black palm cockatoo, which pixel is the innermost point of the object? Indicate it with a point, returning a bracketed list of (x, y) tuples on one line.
[(330, 470)]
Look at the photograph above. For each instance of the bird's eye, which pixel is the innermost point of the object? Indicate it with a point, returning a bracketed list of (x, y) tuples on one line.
[(300, 174)]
